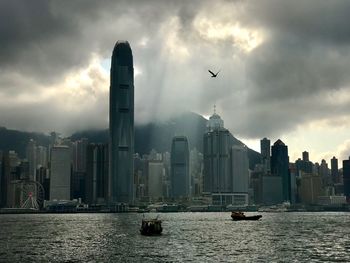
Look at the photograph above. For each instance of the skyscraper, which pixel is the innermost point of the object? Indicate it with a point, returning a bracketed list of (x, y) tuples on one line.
[(305, 156), (79, 150), (279, 166), (2, 182), (239, 169), (96, 186), (196, 172), (31, 157), (324, 173), (60, 178), (346, 179), (334, 170), (121, 125), (303, 165), (155, 179), (180, 174), (216, 154), (265, 145)]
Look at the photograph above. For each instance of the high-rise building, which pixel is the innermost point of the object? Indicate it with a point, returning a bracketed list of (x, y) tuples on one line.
[(279, 166), (96, 183), (346, 179), (41, 156), (180, 177), (272, 190), (239, 169), (11, 172), (324, 173), (216, 155), (310, 188), (79, 150), (155, 179), (305, 156), (2, 181), (334, 170), (265, 146), (303, 166), (79, 155), (31, 157), (196, 172), (293, 183), (60, 177), (121, 125)]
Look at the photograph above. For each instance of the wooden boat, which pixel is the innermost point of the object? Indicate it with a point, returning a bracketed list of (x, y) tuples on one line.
[(151, 227), (240, 216)]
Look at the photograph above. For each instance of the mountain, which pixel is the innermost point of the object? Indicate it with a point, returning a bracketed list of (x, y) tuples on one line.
[(18, 140), (157, 135)]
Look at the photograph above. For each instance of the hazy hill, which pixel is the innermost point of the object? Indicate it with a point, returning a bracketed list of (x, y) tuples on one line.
[(18, 140), (156, 136)]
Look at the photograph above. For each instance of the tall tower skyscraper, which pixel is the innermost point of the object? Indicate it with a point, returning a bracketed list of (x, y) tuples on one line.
[(265, 146), (346, 179), (280, 165), (60, 177), (31, 157), (305, 156), (121, 125), (180, 172), (324, 173), (239, 169), (96, 186), (216, 154), (334, 170)]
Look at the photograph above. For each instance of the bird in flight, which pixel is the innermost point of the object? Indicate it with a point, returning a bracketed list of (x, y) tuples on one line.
[(212, 73)]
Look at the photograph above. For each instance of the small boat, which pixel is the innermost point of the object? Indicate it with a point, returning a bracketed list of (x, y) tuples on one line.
[(151, 227), (239, 216)]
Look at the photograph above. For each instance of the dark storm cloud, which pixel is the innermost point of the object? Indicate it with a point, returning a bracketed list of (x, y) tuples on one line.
[(44, 39), (316, 20), (284, 82), (304, 58)]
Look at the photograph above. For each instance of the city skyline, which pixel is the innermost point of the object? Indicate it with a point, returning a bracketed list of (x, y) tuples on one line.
[(279, 78)]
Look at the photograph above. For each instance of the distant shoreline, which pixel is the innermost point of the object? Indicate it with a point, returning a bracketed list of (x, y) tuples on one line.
[(161, 212)]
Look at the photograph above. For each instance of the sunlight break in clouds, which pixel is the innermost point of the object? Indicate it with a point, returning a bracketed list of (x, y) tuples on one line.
[(242, 38), (173, 43)]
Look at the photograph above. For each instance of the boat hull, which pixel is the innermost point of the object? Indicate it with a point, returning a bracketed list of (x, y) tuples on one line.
[(148, 233), (243, 218)]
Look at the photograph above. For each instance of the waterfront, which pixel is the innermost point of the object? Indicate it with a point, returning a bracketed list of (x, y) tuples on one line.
[(188, 237)]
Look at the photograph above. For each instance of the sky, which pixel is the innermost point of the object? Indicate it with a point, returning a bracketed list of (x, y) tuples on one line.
[(284, 66)]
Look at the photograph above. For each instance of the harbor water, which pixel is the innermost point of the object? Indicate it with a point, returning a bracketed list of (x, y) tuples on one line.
[(187, 237)]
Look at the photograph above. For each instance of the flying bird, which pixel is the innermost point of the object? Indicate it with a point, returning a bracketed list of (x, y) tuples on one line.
[(212, 73)]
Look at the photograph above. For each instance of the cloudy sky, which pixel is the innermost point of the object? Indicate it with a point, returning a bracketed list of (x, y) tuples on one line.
[(285, 66)]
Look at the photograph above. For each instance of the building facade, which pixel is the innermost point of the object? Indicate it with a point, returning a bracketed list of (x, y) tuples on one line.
[(265, 146), (179, 163), (346, 179), (155, 180), (60, 176), (96, 183), (239, 169), (334, 170), (310, 188), (31, 152), (216, 155), (121, 125), (280, 165)]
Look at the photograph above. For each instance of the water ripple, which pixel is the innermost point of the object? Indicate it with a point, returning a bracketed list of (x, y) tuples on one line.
[(188, 237)]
